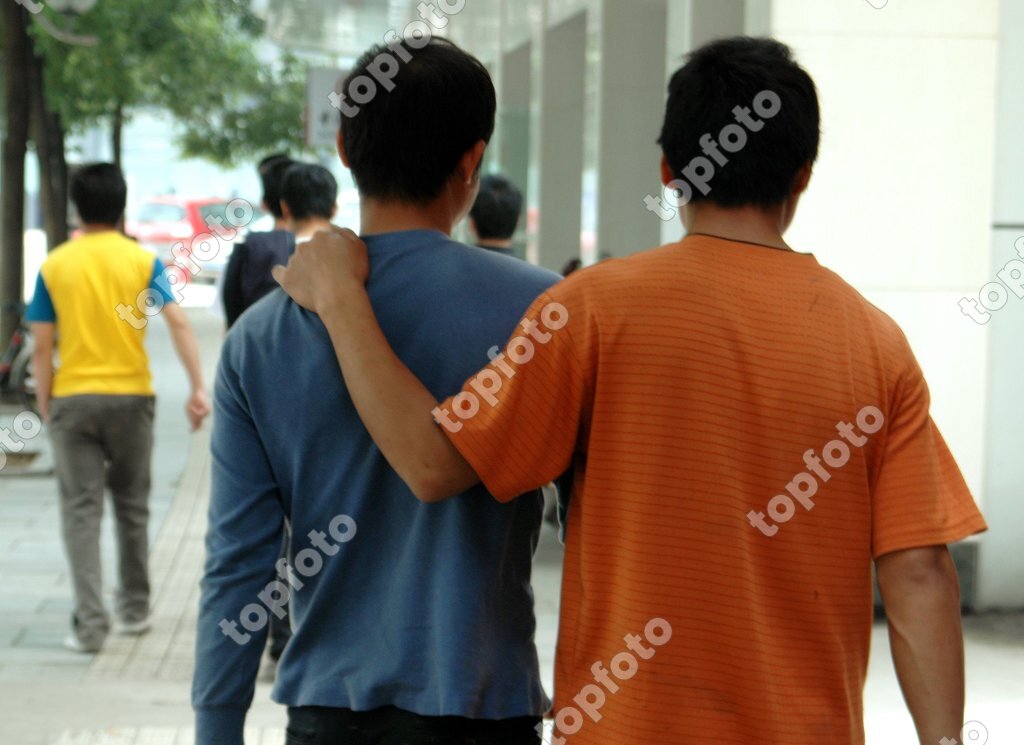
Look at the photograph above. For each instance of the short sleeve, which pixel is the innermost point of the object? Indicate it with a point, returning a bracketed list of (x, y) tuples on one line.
[(160, 284), (920, 497), (41, 309), (518, 421)]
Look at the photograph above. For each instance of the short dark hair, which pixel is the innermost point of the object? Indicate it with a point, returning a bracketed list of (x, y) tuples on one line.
[(310, 191), (405, 143), (271, 159), (99, 193), (704, 96), (497, 210), (272, 172)]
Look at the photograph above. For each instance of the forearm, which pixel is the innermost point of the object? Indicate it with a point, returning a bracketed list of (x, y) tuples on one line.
[(926, 637), (394, 405), (42, 372), (44, 335), (186, 347), (188, 352)]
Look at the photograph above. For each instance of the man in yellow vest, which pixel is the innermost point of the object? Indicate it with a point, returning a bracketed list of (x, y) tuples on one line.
[(99, 403)]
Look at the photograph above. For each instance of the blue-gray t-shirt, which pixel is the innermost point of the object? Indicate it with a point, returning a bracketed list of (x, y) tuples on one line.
[(427, 608)]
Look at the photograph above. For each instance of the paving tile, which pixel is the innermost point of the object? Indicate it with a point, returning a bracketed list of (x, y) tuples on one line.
[(156, 736)]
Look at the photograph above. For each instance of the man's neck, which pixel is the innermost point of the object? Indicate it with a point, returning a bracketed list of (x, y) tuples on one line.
[(494, 243), (281, 223), (744, 224), (394, 217), (305, 229), (97, 227)]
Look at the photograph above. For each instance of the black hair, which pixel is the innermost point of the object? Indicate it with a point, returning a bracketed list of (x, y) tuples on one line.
[(404, 143), (571, 267), (705, 97), (99, 193), (497, 209), (310, 191), (272, 172), (271, 159)]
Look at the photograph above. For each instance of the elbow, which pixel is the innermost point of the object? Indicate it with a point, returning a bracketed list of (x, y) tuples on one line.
[(429, 488), (908, 577)]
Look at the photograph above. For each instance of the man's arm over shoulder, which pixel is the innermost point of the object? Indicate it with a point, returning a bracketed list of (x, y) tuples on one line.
[(541, 407), (239, 588)]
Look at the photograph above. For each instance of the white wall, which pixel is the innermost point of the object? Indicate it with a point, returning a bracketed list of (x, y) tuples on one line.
[(902, 198)]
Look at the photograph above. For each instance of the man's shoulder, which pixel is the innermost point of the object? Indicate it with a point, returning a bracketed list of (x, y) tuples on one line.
[(509, 266), (257, 324), (81, 250), (442, 259)]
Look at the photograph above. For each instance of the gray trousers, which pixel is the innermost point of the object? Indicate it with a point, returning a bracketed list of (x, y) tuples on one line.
[(102, 442)]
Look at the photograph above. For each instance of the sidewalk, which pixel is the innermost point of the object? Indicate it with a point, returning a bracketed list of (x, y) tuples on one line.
[(136, 692)]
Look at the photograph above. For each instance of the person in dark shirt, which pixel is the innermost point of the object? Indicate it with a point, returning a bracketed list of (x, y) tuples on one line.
[(309, 199), (247, 276), (495, 214)]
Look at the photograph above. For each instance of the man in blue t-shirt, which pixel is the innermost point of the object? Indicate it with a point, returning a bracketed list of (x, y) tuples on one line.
[(412, 623)]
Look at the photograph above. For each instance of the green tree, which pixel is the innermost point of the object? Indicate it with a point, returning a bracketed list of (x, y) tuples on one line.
[(195, 59), (267, 118), (192, 58)]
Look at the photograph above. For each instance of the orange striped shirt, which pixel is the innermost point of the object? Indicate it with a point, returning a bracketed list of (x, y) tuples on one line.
[(747, 433)]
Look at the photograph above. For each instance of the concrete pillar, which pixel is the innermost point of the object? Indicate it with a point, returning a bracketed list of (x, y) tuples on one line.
[(630, 108), (513, 148), (560, 129)]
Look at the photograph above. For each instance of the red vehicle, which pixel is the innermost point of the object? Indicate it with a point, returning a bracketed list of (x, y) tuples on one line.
[(163, 222)]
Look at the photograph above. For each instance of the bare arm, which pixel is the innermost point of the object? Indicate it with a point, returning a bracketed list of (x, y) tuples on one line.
[(921, 592), (185, 345), (43, 335), (393, 404)]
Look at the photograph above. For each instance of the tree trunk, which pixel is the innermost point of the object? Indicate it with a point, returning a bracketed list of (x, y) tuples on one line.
[(48, 134), (16, 68), (117, 132)]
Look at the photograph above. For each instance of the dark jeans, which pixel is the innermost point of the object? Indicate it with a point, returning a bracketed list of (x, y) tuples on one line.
[(391, 726)]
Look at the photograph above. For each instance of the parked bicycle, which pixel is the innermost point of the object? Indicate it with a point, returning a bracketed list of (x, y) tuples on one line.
[(16, 380)]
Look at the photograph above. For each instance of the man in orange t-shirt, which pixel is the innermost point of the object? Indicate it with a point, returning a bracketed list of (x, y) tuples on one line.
[(748, 435)]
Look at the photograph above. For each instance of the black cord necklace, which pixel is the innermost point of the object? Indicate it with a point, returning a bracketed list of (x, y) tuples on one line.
[(736, 240)]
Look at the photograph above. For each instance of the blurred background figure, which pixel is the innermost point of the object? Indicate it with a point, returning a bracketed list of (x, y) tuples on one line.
[(309, 200), (572, 265), (495, 215), (99, 403), (247, 277)]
